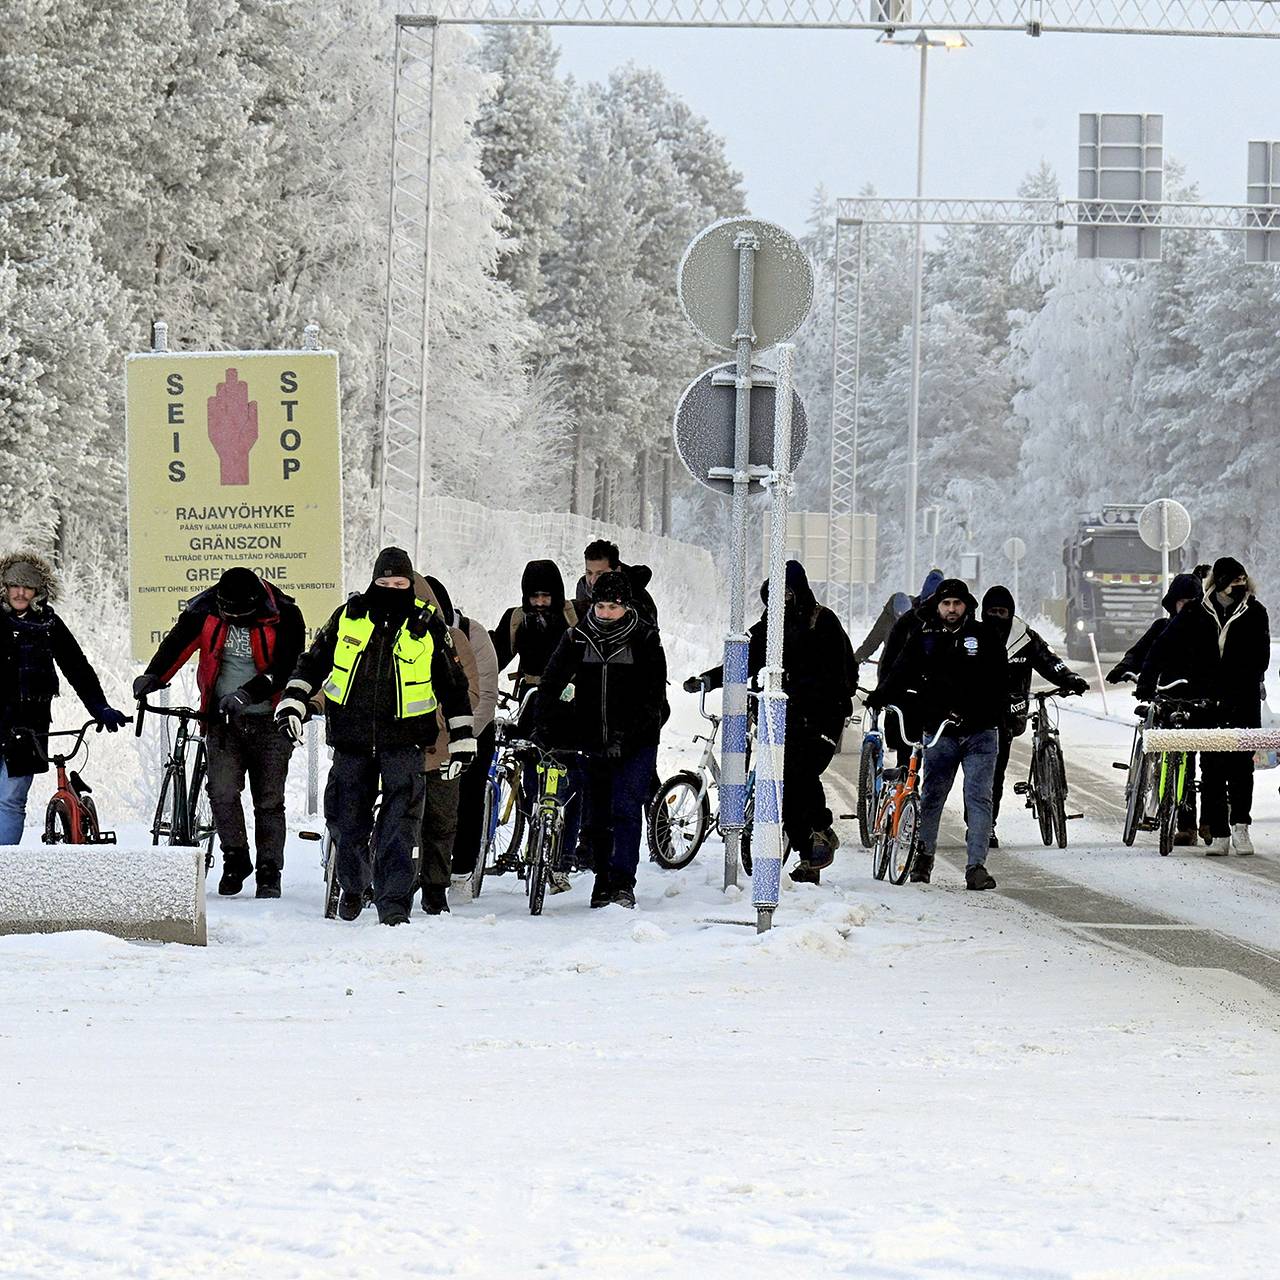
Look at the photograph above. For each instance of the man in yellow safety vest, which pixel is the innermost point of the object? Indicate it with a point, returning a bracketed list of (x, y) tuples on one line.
[(385, 662)]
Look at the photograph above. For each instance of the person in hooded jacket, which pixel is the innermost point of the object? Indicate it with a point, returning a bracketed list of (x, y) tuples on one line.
[(820, 677), (898, 608), (602, 556), (35, 644), (247, 636), (385, 662), (1027, 653), (532, 629), (955, 667), (614, 661), (1184, 590), (1221, 646)]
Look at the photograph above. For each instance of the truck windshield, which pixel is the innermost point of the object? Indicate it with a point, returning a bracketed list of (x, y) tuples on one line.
[(1120, 553)]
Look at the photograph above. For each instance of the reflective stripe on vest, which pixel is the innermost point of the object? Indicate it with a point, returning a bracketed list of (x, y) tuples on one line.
[(415, 695)]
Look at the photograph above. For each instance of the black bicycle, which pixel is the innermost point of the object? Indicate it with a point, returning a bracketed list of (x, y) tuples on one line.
[(1046, 784), (183, 813)]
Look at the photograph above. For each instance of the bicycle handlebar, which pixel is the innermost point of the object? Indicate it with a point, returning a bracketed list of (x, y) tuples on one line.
[(1058, 691), (179, 713), (77, 734), (526, 746), (924, 744)]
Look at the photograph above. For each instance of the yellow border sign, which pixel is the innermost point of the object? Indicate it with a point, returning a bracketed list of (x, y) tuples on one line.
[(234, 459)]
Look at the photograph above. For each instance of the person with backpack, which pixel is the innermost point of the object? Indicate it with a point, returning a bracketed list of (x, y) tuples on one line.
[(35, 644), (531, 630), (246, 636)]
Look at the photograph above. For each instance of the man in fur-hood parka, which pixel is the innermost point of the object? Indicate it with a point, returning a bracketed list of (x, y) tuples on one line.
[(35, 644)]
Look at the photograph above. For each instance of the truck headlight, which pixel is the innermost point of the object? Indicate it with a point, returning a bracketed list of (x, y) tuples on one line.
[(1079, 624)]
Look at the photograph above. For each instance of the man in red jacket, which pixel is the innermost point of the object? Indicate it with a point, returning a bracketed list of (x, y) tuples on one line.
[(247, 636)]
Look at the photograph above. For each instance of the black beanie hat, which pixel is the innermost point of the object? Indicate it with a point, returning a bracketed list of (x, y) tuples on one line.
[(998, 597), (240, 592), (1226, 571), (392, 562), (611, 588)]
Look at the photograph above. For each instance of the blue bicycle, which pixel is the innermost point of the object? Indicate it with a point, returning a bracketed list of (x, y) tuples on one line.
[(504, 824), (870, 777)]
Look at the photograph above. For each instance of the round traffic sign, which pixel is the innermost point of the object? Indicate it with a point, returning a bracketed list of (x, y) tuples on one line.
[(782, 292), (1164, 525), (1015, 549), (706, 419)]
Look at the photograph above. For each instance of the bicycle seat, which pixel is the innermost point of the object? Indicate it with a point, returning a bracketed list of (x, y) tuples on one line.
[(79, 785), (891, 775)]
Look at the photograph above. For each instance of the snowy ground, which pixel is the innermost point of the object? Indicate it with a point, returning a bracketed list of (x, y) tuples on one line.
[(893, 1083)]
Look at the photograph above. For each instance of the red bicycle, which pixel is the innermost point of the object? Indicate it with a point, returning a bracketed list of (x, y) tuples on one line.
[(71, 817)]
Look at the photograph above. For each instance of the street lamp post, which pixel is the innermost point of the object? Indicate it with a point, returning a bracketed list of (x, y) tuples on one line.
[(922, 42)]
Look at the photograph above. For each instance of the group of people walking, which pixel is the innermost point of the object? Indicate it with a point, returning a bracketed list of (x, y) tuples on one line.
[(408, 688)]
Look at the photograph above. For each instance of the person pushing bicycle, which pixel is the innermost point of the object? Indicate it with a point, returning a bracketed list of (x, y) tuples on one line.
[(953, 667), (1027, 652), (35, 644), (246, 636)]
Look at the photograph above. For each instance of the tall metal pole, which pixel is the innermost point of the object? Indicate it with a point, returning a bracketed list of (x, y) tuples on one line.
[(733, 783), (766, 869), (917, 307)]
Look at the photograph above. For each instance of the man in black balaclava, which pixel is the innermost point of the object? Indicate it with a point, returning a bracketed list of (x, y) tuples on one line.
[(1026, 652), (385, 662), (531, 630), (1221, 647), (955, 666)]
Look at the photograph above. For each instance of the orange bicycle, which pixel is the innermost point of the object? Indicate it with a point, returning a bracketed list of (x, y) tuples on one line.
[(71, 817), (896, 836)]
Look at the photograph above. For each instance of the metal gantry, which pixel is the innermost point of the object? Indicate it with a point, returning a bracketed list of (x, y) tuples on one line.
[(399, 466)]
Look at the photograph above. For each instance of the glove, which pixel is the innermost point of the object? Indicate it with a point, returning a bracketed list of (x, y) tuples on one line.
[(462, 751), (693, 684), (874, 701), (145, 685), (235, 702), (1079, 686), (613, 751), (290, 713), (110, 719), (1117, 674)]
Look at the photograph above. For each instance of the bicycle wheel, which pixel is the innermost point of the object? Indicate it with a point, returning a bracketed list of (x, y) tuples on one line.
[(509, 833), (882, 840), (329, 860), (1167, 789), (545, 843), (162, 823), (57, 821), (1058, 792), (200, 809), (1135, 790), (1039, 789), (678, 821), (91, 829), (867, 773), (906, 839)]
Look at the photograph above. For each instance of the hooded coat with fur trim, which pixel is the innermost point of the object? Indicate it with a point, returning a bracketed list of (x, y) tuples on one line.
[(34, 646)]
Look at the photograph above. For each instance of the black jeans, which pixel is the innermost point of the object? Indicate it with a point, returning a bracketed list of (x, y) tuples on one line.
[(615, 791), (997, 784), (471, 788), (248, 745), (1226, 790), (804, 802), (349, 799), (439, 829)]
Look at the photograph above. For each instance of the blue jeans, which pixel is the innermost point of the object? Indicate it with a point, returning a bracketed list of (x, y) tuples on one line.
[(13, 804), (976, 754), (616, 792)]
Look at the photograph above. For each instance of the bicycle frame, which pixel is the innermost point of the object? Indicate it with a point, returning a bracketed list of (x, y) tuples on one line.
[(892, 799), (180, 827), (72, 790)]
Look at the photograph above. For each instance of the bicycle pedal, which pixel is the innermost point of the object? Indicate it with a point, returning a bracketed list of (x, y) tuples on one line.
[(1071, 817), (1019, 788), (1120, 764)]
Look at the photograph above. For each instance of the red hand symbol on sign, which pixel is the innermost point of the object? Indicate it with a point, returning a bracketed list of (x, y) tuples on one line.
[(233, 427)]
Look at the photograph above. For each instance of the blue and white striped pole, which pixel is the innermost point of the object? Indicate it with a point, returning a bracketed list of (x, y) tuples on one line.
[(733, 778), (769, 838)]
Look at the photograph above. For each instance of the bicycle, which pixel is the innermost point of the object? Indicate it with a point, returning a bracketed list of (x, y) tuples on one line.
[(1046, 785), (896, 832), (71, 817), (679, 817), (870, 776), (545, 848), (1156, 785), (503, 827), (183, 814)]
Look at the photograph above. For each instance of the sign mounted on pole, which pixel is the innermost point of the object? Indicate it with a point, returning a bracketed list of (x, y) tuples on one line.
[(1263, 244), (1164, 525), (234, 459), (1121, 163)]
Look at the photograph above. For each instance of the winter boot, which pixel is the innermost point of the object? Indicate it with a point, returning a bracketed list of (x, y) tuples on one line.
[(806, 871), (1184, 838), (350, 905), (435, 900), (1205, 834), (922, 869), (396, 915), (601, 890), (558, 881), (823, 849), (460, 889), (1240, 842), (624, 898), (1218, 847), (979, 878), (236, 869)]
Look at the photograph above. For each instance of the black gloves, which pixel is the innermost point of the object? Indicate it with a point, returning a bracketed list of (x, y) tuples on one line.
[(693, 684), (1077, 685), (146, 684), (233, 703), (875, 700), (1117, 673), (110, 719)]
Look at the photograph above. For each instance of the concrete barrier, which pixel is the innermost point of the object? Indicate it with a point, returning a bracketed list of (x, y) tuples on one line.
[(1154, 740), (143, 892)]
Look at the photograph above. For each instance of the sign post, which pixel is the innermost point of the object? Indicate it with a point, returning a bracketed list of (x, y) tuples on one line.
[(1164, 525), (1015, 549), (233, 459), (744, 285)]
